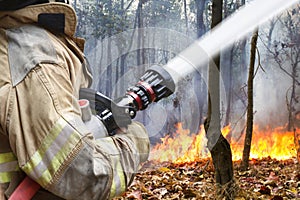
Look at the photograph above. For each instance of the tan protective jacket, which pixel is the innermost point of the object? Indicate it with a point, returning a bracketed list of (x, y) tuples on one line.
[(41, 130)]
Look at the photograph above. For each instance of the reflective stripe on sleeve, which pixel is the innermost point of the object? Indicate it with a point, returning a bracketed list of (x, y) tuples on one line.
[(119, 182), (54, 149), (8, 165)]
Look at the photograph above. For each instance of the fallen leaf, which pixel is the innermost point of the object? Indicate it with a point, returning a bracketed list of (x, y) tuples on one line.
[(276, 197), (136, 195), (264, 190), (163, 169)]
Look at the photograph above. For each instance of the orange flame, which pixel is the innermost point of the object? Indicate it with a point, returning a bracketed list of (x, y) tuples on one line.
[(185, 147), (274, 142)]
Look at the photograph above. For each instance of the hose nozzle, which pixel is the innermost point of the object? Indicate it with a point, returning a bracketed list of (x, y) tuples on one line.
[(154, 85)]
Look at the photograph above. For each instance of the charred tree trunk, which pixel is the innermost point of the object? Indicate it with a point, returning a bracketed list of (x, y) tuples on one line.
[(217, 144), (249, 129)]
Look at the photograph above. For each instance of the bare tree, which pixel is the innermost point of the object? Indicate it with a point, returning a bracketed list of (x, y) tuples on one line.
[(249, 129)]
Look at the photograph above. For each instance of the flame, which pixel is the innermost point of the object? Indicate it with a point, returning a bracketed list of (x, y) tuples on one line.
[(185, 147), (276, 143)]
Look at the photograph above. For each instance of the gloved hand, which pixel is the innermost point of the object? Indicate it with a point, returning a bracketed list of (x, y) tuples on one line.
[(138, 135), (114, 120)]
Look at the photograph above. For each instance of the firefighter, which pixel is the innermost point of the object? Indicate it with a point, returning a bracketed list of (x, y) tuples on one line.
[(42, 134)]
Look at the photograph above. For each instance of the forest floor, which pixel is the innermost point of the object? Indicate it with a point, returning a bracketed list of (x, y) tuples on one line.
[(266, 179)]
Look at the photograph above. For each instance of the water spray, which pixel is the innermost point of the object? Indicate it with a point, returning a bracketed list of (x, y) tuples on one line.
[(160, 82), (234, 27)]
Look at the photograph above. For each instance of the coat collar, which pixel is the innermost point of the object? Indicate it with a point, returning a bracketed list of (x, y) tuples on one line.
[(29, 15)]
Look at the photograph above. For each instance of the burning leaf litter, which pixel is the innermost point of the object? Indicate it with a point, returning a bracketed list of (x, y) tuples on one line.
[(266, 179), (180, 168)]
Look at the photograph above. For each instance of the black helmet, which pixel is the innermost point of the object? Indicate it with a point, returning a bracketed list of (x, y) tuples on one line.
[(6, 5)]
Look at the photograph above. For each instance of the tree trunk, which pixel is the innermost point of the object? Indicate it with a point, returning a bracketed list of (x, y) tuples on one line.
[(249, 129), (122, 71), (140, 50), (217, 144), (199, 84), (108, 86), (117, 76), (185, 17), (201, 29), (294, 113), (293, 98)]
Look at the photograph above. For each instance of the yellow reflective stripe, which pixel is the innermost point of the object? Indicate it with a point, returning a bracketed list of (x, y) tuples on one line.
[(55, 148), (113, 189), (5, 177), (8, 166), (38, 155), (118, 182), (7, 157), (57, 160), (121, 175)]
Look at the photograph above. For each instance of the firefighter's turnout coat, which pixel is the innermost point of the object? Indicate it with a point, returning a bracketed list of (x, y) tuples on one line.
[(42, 134)]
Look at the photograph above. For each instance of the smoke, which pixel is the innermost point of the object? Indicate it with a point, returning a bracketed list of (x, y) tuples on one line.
[(270, 92), (270, 86), (273, 85)]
